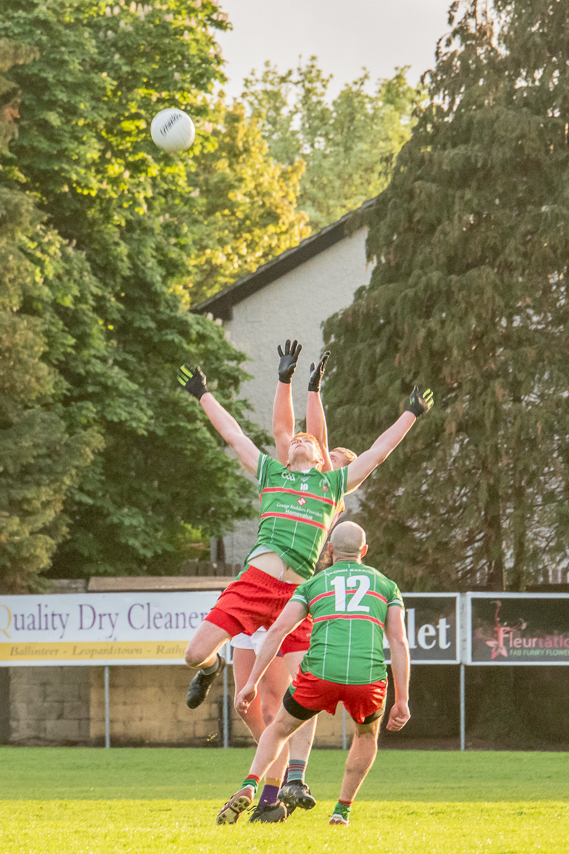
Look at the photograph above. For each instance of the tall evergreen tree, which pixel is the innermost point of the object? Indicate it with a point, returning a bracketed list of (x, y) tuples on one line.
[(469, 294)]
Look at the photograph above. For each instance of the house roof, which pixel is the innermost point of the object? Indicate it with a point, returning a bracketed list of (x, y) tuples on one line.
[(221, 304)]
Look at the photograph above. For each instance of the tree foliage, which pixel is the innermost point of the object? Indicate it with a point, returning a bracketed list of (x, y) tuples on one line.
[(126, 234), (469, 295), (348, 144), (246, 203), (41, 458)]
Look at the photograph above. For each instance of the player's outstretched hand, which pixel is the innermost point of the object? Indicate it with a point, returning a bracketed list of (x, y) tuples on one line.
[(288, 359), (317, 372), (193, 380), (420, 401), (245, 697), (398, 716)]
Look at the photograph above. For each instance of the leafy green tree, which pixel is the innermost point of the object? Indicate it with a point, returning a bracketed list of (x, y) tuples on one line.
[(348, 145), (41, 459), (246, 201), (469, 294), (114, 261)]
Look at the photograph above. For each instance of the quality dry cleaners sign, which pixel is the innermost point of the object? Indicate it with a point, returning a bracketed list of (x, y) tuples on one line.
[(99, 628)]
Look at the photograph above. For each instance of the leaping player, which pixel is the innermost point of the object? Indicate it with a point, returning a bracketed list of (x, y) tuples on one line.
[(298, 506)]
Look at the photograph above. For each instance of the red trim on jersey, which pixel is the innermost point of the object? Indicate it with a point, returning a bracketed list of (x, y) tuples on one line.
[(297, 492), (333, 593), (372, 593), (296, 519), (350, 617), (321, 596)]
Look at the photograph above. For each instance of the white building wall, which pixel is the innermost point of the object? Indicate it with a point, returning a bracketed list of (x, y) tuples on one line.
[(293, 306)]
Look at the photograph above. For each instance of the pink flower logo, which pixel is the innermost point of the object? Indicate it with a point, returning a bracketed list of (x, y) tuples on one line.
[(497, 646)]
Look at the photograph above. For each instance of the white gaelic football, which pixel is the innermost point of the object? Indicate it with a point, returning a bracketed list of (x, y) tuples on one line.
[(172, 130)]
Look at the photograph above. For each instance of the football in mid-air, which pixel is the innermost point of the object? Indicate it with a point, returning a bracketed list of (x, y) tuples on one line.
[(172, 130)]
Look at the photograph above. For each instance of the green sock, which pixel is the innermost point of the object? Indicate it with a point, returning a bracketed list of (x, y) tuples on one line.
[(295, 770), (213, 669), (343, 808), (251, 781)]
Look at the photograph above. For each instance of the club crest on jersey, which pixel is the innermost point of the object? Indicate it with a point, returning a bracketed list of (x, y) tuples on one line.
[(324, 485), (287, 475)]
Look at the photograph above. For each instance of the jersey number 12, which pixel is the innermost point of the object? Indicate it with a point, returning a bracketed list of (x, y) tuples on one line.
[(361, 583)]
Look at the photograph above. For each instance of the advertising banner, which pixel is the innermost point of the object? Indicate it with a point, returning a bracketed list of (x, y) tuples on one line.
[(518, 628), (100, 628), (432, 621)]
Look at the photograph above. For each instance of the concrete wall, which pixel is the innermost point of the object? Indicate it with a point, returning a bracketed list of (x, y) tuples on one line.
[(293, 306), (48, 705), (147, 706)]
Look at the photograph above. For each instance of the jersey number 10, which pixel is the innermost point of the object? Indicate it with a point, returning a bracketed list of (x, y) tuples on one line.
[(361, 583)]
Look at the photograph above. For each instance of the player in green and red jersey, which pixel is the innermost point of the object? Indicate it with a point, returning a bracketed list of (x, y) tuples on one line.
[(298, 504), (352, 605), (269, 808)]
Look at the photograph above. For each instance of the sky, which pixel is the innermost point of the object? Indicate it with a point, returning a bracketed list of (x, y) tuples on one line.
[(377, 34)]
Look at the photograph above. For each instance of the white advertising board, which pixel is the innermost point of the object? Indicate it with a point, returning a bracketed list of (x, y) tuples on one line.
[(100, 628)]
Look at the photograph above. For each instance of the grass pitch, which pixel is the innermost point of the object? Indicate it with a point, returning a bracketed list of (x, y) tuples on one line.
[(164, 801)]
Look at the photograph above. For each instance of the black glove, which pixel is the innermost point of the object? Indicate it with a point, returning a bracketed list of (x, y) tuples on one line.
[(289, 358), (420, 402), (317, 372), (193, 380)]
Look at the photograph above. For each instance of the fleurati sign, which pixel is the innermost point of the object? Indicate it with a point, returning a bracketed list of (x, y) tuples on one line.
[(432, 627), (100, 628), (518, 628)]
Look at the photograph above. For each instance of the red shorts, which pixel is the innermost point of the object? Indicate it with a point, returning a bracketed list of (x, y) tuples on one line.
[(309, 695), (256, 599)]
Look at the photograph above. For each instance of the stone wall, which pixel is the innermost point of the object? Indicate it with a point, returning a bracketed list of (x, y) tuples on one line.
[(66, 706), (147, 706), (48, 705)]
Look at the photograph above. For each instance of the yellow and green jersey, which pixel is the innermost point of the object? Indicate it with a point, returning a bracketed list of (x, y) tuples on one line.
[(348, 603), (297, 512)]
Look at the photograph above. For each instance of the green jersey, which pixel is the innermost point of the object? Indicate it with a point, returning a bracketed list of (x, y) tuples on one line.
[(297, 512), (348, 603)]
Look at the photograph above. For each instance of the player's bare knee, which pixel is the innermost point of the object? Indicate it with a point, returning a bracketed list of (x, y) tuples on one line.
[(193, 656)]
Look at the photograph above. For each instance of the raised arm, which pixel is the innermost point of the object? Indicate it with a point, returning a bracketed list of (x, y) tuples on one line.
[(400, 666), (290, 617), (315, 417), (358, 470), (283, 412), (194, 382)]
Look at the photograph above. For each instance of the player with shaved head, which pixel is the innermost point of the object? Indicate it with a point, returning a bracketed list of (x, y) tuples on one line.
[(352, 605)]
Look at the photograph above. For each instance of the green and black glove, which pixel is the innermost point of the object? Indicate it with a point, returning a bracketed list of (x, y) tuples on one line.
[(288, 360), (193, 380), (317, 372), (420, 401)]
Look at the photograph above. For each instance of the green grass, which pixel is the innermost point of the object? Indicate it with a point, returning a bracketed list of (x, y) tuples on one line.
[(96, 801)]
